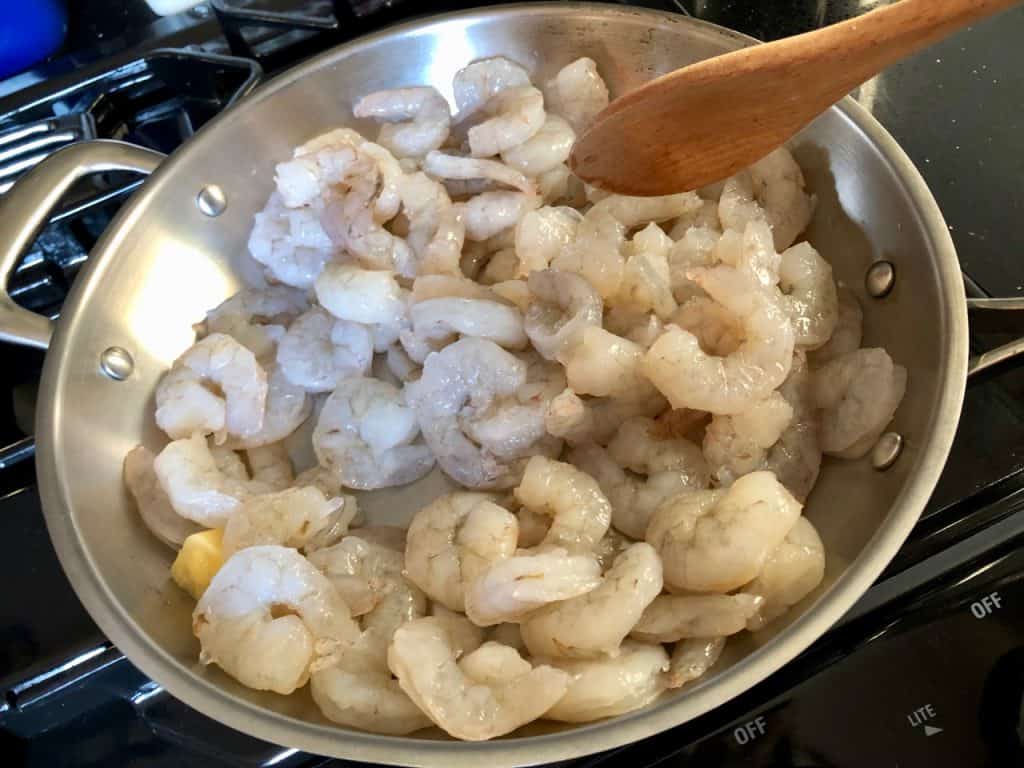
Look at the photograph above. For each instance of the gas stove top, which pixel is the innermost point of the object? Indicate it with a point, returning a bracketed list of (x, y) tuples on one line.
[(927, 670)]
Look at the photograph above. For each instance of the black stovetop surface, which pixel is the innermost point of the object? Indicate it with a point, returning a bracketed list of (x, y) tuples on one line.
[(915, 642)]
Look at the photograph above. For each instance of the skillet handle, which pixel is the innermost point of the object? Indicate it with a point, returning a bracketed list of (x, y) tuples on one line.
[(999, 310), (27, 206)]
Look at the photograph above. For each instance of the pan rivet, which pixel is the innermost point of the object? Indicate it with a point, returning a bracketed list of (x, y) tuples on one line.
[(886, 451), (117, 363), (211, 200), (880, 279)]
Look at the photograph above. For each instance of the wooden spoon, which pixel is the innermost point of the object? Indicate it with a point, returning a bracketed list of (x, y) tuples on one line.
[(705, 122)]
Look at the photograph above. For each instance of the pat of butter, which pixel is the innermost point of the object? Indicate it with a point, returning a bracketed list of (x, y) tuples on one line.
[(201, 556)]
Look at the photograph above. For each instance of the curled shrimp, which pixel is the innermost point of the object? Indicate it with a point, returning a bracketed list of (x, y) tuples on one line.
[(779, 186), (677, 617), (350, 222), (365, 573), (290, 243), (600, 688), (737, 445), (185, 404), (547, 149), (578, 93), (694, 248), (716, 541), (603, 364), (638, 446), (367, 436), (793, 570), (490, 213), (510, 694), (810, 295), (513, 587), (595, 623), (436, 233), (361, 295), (436, 320), (318, 351), (795, 458), (292, 518), (580, 513), (287, 407), (416, 120), (154, 507), (442, 166), (849, 329), (561, 306), (475, 84), (858, 394), (692, 658), (542, 234), (717, 330), (690, 378), (256, 318), (514, 115), (195, 485), (269, 618), (646, 284), (453, 540)]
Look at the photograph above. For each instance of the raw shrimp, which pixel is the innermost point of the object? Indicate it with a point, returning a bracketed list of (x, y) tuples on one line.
[(737, 445), (597, 253), (436, 233), (287, 408), (318, 351), (690, 378), (442, 166), (291, 518), (692, 658), (633, 498), (717, 330), (594, 624), (858, 394), (424, 660), (705, 218), (580, 512), (848, 331), (453, 540), (367, 435), (221, 362), (750, 250), (603, 364), (361, 295), (547, 149), (716, 541), (562, 305), (269, 618), (810, 295), (503, 265), (256, 318), (595, 420), (792, 572), (779, 186), (475, 84), (542, 234), (695, 248), (416, 119), (796, 456), (646, 280), (511, 588), (365, 698), (154, 507), (638, 447), (436, 320), (195, 485), (514, 115), (460, 384), (361, 571), (578, 93), (489, 213), (601, 688), (678, 617), (290, 243), (271, 465), (351, 224)]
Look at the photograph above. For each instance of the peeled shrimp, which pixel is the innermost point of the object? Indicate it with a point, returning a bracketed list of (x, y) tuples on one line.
[(366, 435), (542, 234), (475, 84), (423, 659), (810, 295), (677, 617), (360, 295), (222, 362), (578, 93), (318, 351), (362, 571), (286, 409), (195, 485), (717, 330), (490, 213), (779, 186), (848, 331), (646, 279), (515, 114), (453, 540), (690, 378), (442, 166), (269, 618), (436, 233), (791, 572), (512, 588), (601, 688), (637, 446), (695, 248), (692, 658), (256, 318), (436, 320), (365, 698), (350, 221), (291, 518), (416, 120), (580, 512), (290, 243), (562, 305), (858, 394), (603, 364), (547, 149), (154, 507), (716, 541), (796, 456), (595, 623), (738, 444)]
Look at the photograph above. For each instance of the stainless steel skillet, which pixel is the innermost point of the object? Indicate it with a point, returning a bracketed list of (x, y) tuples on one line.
[(170, 256)]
